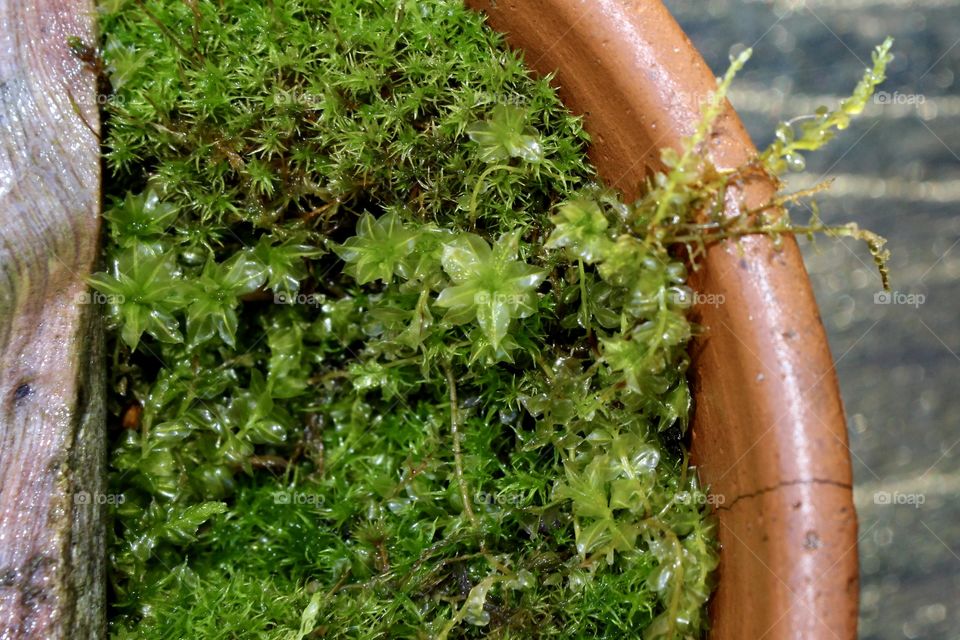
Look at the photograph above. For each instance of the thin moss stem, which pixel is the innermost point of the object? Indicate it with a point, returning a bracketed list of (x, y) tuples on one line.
[(457, 445), (479, 185)]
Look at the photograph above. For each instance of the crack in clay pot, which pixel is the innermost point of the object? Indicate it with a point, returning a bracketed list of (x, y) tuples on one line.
[(726, 506)]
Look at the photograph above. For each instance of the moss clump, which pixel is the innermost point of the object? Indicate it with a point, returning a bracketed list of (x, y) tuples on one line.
[(386, 363)]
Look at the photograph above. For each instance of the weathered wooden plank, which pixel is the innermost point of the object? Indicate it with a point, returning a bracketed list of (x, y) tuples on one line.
[(51, 383)]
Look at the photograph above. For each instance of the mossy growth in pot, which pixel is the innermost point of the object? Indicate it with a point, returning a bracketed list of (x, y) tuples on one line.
[(386, 361)]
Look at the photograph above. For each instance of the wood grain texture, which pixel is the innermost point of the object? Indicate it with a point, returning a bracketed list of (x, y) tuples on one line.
[(51, 389)]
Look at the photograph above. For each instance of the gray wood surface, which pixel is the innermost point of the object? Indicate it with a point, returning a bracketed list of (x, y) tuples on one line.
[(51, 373)]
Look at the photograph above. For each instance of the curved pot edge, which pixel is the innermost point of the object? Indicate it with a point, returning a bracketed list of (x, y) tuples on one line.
[(769, 436)]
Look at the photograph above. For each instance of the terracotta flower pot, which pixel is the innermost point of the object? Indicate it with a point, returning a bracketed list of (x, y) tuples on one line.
[(768, 429)]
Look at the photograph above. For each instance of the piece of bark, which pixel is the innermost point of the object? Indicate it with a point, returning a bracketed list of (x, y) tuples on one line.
[(52, 559)]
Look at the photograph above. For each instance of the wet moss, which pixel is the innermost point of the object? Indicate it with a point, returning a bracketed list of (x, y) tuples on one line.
[(386, 360)]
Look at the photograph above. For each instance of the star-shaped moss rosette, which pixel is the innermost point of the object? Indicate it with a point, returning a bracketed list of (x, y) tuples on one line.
[(490, 285), (505, 135)]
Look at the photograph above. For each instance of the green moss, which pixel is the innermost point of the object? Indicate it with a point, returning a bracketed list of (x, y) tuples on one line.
[(404, 370)]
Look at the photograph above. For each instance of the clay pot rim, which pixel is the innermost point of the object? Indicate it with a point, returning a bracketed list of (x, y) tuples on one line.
[(768, 430)]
